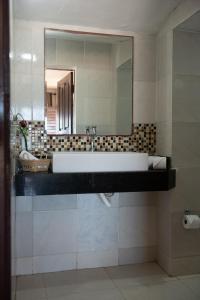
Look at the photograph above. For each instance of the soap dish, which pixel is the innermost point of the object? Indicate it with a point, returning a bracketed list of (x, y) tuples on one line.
[(40, 165)]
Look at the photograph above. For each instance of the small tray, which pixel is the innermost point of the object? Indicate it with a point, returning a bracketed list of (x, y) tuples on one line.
[(40, 165)]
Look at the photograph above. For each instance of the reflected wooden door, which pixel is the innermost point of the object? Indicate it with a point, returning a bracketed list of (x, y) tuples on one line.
[(65, 90)]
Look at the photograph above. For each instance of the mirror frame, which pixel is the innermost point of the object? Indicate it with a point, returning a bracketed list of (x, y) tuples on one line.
[(57, 68)]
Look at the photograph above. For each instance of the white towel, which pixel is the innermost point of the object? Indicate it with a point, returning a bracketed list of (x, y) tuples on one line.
[(157, 162), (27, 156)]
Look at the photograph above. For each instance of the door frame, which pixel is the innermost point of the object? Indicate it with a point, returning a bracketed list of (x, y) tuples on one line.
[(5, 218)]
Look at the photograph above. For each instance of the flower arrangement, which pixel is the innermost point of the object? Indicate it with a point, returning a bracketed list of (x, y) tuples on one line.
[(22, 128)]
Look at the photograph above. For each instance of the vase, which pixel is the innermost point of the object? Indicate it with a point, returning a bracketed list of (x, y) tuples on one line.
[(25, 143)]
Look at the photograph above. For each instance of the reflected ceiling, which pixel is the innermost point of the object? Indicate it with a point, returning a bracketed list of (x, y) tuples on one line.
[(191, 24)]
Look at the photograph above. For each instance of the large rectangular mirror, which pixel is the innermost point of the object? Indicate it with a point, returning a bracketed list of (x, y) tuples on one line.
[(88, 83)]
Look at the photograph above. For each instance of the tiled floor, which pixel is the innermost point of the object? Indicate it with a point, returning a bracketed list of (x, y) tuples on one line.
[(131, 282)]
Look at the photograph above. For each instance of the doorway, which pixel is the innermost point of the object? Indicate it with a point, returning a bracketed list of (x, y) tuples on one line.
[(59, 101)]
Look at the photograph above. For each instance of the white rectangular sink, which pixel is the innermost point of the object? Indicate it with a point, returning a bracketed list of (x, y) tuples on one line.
[(79, 162)]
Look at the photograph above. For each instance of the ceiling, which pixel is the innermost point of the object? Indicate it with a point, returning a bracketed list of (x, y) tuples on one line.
[(95, 38), (127, 15), (191, 24), (53, 76)]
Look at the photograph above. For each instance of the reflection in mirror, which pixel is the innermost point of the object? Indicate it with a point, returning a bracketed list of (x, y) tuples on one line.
[(88, 83), (59, 95)]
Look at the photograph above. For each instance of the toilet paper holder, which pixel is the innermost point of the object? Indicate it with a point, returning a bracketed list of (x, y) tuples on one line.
[(188, 212), (191, 220)]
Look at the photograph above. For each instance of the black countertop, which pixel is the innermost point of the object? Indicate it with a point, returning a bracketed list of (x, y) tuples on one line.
[(29, 184)]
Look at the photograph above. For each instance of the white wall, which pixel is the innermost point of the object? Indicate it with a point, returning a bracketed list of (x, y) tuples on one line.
[(28, 89), (124, 234), (164, 94), (65, 232), (29, 70), (164, 56), (185, 141), (170, 235), (144, 79)]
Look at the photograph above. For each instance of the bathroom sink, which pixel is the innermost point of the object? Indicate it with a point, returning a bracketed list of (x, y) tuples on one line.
[(79, 162)]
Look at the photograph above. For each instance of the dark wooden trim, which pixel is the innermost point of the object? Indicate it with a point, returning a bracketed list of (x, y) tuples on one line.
[(5, 241)]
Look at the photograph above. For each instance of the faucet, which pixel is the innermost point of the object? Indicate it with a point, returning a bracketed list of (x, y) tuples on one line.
[(91, 131), (87, 130), (93, 135)]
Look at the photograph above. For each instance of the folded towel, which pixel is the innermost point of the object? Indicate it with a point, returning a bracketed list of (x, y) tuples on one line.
[(27, 156), (157, 162)]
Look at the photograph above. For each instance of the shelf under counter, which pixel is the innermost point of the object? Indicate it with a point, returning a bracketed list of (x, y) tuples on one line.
[(31, 184)]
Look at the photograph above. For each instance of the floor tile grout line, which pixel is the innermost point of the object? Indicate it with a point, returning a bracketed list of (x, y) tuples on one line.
[(191, 276), (175, 278), (75, 291), (117, 288), (189, 288), (45, 287), (42, 287)]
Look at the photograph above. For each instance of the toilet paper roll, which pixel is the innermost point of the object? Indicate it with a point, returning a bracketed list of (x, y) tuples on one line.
[(191, 222)]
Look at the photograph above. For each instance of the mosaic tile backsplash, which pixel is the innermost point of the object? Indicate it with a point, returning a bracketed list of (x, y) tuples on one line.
[(41, 145)]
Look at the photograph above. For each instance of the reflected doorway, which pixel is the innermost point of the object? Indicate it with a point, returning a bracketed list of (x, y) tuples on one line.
[(59, 101)]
